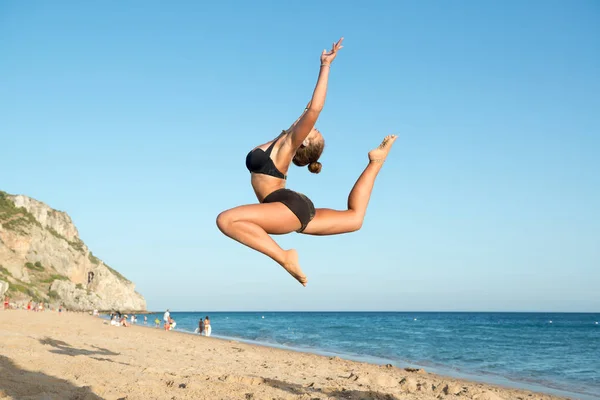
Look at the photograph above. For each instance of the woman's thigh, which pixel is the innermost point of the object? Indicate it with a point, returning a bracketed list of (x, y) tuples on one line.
[(333, 222), (274, 218)]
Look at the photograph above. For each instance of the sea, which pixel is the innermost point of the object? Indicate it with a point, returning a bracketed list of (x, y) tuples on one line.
[(556, 353)]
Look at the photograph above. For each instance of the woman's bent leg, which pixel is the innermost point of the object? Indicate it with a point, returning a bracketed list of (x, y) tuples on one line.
[(334, 222), (251, 226)]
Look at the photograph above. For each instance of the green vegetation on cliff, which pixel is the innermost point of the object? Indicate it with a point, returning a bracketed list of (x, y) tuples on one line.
[(95, 260), (53, 241), (53, 295), (39, 287), (41, 279), (15, 218), (4, 271), (117, 274), (18, 220), (54, 277), (77, 244), (28, 290), (35, 267)]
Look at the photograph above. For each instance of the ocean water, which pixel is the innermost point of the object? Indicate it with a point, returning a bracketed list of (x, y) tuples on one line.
[(554, 353)]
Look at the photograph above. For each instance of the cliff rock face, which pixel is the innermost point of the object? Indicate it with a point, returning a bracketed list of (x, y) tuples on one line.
[(3, 288), (43, 258)]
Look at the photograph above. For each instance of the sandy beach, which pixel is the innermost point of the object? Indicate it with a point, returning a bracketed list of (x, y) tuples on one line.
[(76, 356)]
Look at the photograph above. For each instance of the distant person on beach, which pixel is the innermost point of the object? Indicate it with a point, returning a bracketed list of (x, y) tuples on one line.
[(170, 324), (281, 210), (207, 328), (145, 320), (6, 302), (200, 328), (157, 322), (166, 316)]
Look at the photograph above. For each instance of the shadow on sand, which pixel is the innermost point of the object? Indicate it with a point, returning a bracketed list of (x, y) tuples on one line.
[(22, 384), (300, 390), (66, 349)]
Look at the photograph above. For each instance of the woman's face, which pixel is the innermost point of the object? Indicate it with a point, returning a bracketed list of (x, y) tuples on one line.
[(313, 137)]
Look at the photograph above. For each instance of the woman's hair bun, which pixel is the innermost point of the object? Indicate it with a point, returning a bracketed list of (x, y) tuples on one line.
[(315, 167)]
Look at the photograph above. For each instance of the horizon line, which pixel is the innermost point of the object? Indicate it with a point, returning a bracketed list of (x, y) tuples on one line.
[(378, 311)]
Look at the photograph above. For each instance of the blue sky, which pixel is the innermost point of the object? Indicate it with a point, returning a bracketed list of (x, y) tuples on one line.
[(136, 117)]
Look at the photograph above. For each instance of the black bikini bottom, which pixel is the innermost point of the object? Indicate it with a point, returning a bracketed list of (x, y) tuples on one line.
[(299, 204)]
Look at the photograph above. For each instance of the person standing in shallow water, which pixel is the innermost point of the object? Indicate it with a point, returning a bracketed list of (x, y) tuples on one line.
[(207, 327), (282, 211)]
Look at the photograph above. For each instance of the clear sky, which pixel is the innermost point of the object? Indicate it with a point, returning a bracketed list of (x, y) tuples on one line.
[(136, 117)]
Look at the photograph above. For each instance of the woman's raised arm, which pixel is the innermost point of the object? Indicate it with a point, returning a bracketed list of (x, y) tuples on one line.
[(302, 127)]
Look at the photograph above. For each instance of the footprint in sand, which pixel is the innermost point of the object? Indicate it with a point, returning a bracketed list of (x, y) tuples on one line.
[(247, 380)]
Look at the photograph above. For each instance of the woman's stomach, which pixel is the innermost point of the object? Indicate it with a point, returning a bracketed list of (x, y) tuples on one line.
[(264, 185)]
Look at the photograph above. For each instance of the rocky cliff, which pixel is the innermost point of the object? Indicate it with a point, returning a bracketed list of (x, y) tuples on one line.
[(43, 258)]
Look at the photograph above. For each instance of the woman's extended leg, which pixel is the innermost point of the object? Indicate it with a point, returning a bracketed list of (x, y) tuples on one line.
[(334, 222), (251, 226)]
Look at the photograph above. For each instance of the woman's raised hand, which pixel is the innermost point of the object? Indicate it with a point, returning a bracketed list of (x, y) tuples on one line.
[(328, 57)]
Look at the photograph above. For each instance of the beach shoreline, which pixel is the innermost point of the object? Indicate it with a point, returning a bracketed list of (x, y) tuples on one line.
[(441, 371), (75, 354)]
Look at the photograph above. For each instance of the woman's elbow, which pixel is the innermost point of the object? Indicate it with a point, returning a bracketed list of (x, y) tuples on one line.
[(315, 109)]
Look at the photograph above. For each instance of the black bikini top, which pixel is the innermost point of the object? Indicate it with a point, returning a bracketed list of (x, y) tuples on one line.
[(260, 162)]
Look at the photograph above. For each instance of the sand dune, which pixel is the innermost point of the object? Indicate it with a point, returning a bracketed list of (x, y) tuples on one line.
[(75, 356)]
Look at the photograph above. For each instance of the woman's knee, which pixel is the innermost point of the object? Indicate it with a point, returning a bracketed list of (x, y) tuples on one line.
[(224, 220), (355, 220), (356, 223)]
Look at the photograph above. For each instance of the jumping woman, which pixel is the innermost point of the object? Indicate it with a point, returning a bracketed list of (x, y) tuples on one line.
[(280, 210)]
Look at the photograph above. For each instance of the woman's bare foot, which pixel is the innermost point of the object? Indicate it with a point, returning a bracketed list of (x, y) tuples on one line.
[(380, 153), (292, 265)]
